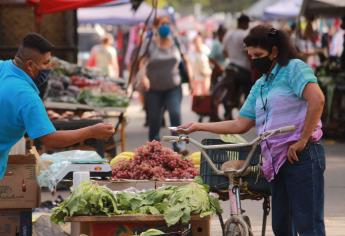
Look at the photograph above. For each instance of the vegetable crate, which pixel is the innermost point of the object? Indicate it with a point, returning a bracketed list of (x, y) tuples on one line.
[(255, 185), (129, 225)]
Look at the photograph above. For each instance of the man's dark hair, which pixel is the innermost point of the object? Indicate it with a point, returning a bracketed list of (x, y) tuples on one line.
[(37, 42), (221, 30), (243, 19), (265, 36)]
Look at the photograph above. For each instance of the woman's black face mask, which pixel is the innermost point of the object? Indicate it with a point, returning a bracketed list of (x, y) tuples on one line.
[(262, 64)]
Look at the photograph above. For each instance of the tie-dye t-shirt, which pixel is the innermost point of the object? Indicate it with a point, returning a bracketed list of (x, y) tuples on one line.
[(276, 101)]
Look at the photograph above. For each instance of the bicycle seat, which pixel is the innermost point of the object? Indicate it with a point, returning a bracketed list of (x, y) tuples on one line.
[(233, 166)]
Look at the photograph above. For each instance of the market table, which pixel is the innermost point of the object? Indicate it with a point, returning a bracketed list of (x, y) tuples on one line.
[(108, 114), (104, 225)]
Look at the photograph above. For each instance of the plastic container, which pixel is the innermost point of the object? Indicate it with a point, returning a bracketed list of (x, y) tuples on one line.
[(217, 183)]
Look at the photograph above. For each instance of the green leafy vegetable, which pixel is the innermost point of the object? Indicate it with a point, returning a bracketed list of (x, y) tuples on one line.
[(87, 199), (151, 232), (177, 204)]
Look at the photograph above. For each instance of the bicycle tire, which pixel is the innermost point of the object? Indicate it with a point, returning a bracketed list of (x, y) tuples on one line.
[(236, 226)]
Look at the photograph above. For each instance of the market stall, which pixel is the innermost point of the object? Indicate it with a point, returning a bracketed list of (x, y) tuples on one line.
[(76, 97), (151, 188)]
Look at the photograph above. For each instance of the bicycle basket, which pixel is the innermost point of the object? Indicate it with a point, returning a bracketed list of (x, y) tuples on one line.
[(253, 186)]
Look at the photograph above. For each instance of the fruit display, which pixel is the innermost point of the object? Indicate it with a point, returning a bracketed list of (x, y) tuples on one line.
[(123, 156), (155, 162), (195, 157)]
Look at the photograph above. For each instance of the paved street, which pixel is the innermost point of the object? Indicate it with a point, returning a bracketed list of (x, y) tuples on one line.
[(335, 173)]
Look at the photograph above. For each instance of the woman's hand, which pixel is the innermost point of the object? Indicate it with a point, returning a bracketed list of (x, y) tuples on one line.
[(188, 128), (294, 149)]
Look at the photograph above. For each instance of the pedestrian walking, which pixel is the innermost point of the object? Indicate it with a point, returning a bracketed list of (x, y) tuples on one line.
[(161, 80)]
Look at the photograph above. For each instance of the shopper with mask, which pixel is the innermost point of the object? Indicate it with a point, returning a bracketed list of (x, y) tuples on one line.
[(162, 80), (286, 94), (22, 109)]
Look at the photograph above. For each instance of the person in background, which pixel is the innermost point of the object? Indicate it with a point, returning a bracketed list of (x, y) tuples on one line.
[(336, 44), (294, 163), (201, 67), (342, 57), (162, 81), (217, 57), (307, 45), (235, 51), (24, 111), (104, 57)]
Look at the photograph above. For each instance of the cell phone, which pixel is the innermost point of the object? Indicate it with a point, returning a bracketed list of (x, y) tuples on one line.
[(176, 129)]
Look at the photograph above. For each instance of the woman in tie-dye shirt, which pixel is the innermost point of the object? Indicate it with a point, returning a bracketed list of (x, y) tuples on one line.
[(286, 94)]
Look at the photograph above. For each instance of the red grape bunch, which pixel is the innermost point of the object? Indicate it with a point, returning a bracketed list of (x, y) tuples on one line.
[(156, 162)]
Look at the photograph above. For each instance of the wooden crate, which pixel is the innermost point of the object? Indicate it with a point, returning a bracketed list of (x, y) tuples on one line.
[(127, 225)]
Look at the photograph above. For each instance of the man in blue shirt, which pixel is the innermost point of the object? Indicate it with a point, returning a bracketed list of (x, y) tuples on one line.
[(22, 109)]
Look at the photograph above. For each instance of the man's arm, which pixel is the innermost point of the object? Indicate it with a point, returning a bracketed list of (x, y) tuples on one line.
[(65, 138)]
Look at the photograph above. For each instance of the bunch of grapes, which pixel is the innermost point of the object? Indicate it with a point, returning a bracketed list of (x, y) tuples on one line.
[(156, 162)]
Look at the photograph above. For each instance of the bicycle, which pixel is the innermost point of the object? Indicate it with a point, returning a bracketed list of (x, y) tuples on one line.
[(235, 170)]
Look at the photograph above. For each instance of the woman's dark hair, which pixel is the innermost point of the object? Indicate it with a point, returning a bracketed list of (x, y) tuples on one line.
[(265, 36)]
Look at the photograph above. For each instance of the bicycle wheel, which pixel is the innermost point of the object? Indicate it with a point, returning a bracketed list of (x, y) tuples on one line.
[(236, 226), (247, 220)]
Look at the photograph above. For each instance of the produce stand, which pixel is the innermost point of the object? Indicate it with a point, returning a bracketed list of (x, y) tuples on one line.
[(108, 114), (126, 225)]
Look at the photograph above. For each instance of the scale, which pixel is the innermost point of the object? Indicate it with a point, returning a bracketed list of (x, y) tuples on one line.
[(96, 170), (79, 172)]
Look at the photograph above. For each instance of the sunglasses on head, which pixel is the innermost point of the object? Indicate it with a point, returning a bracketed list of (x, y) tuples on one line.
[(272, 32)]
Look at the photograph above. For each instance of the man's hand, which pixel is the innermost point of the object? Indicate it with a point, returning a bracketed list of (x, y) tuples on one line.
[(101, 131), (294, 149)]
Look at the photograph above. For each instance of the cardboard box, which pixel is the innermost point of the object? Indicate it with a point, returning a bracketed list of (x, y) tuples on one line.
[(16, 222), (19, 187)]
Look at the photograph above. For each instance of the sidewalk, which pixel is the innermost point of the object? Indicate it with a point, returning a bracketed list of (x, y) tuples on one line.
[(335, 173)]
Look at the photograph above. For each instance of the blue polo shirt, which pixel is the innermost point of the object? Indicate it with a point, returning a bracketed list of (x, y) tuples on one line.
[(22, 110)]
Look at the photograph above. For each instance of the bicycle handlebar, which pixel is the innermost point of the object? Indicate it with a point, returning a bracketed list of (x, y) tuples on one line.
[(253, 144), (287, 129)]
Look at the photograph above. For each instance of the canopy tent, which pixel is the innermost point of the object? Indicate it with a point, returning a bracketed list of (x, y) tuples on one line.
[(116, 15), (257, 9), (283, 9), (52, 6), (327, 8)]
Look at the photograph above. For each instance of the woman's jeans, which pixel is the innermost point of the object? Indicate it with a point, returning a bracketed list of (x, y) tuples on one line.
[(157, 101), (298, 195)]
